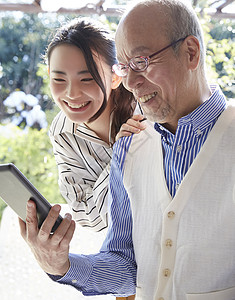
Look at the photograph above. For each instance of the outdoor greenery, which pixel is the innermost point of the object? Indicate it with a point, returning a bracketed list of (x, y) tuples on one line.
[(31, 152), (23, 40), (220, 44)]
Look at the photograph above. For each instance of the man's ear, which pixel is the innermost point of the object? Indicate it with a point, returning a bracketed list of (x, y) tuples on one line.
[(116, 80), (193, 51)]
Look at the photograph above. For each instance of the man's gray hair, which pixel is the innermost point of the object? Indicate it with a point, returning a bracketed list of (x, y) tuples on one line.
[(181, 19)]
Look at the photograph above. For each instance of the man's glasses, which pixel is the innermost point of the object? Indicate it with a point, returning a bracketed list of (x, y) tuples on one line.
[(139, 63)]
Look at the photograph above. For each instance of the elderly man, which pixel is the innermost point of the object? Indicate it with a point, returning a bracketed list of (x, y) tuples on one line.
[(172, 186)]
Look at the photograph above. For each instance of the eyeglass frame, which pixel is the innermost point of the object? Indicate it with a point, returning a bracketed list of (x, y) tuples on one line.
[(146, 59)]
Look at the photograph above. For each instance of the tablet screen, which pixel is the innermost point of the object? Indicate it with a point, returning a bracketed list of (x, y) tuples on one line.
[(16, 190)]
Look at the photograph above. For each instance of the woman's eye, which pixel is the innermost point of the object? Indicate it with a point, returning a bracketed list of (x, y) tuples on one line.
[(87, 79), (58, 79)]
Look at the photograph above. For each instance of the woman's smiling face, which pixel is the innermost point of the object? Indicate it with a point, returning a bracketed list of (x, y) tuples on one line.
[(72, 86)]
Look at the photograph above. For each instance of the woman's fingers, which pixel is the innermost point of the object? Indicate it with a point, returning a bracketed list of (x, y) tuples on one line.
[(137, 117), (133, 125)]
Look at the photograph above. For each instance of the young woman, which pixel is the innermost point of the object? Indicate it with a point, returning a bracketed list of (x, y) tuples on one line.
[(94, 104)]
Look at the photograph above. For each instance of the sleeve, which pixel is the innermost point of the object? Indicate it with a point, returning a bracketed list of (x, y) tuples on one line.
[(83, 184), (113, 270)]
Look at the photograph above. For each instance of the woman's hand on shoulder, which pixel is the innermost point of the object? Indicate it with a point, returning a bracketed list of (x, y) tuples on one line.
[(132, 125)]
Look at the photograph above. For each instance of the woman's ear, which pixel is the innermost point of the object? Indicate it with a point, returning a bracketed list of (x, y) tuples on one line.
[(193, 50), (116, 80)]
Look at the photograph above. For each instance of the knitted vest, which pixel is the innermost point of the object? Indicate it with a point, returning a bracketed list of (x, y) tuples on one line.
[(185, 246)]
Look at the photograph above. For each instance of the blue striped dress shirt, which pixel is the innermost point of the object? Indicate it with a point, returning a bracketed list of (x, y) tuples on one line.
[(181, 148), (113, 270)]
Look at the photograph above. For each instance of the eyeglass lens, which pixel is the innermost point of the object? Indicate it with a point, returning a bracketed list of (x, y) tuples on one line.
[(138, 63)]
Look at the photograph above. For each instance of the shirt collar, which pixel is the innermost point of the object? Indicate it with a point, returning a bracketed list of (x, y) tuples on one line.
[(203, 115), (62, 124)]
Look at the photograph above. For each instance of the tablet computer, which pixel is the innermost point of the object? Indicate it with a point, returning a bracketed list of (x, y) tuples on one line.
[(16, 190)]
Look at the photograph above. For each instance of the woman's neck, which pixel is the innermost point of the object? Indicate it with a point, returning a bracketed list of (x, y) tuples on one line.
[(101, 126)]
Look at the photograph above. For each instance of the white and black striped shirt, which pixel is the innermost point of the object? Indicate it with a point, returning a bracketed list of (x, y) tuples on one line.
[(83, 161)]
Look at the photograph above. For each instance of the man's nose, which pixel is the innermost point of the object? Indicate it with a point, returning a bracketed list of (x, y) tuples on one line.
[(133, 80)]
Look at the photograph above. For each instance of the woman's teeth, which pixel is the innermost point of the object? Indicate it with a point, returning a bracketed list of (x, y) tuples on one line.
[(77, 106), (146, 98)]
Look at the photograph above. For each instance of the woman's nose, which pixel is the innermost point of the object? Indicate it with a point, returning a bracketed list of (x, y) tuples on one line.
[(73, 91)]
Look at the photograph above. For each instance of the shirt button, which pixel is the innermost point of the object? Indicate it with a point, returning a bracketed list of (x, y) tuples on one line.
[(166, 273), (74, 281), (171, 214), (169, 243), (179, 148)]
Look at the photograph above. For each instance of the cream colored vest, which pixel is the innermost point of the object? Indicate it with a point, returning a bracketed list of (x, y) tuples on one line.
[(185, 246)]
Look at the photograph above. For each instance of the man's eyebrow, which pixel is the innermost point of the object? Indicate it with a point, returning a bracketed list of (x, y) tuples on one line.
[(137, 51), (64, 73)]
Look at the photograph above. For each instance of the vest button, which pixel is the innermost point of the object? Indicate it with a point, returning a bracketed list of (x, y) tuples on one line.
[(171, 214), (168, 243), (166, 273)]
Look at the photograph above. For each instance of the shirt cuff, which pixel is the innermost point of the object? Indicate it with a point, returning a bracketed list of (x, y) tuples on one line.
[(78, 273), (55, 277)]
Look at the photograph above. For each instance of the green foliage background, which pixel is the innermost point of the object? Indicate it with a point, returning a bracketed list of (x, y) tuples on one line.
[(220, 45), (32, 153)]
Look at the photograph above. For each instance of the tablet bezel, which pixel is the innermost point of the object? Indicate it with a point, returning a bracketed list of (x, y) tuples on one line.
[(13, 184)]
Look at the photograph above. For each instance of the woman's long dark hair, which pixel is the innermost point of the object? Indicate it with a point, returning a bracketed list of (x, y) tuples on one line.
[(89, 36)]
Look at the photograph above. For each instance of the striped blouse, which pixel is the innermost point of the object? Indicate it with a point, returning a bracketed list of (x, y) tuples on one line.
[(83, 161)]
